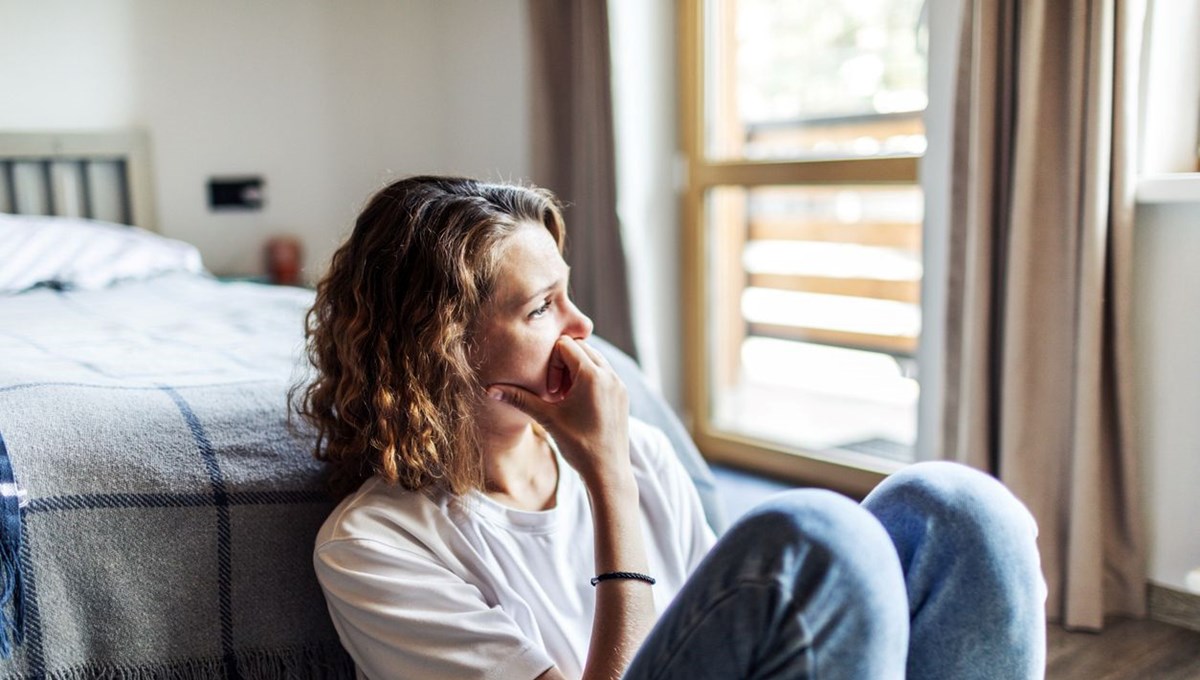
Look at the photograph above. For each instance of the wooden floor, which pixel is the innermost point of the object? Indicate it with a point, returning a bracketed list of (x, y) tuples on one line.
[(1126, 650)]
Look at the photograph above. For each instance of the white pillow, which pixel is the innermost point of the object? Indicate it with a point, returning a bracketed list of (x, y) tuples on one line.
[(78, 253)]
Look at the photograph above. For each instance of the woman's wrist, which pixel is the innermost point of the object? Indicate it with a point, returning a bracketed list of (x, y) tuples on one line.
[(616, 484), (618, 533)]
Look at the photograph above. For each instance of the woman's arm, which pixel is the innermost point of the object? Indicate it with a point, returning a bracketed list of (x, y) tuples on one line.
[(591, 426), (624, 608)]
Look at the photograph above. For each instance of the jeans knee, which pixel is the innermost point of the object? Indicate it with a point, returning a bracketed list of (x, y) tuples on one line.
[(969, 511), (961, 494), (812, 515), (806, 579), (829, 530)]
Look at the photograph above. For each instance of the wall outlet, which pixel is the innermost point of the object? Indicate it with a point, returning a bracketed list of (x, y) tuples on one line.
[(235, 193)]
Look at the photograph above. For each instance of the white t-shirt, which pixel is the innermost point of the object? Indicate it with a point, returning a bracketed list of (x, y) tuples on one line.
[(427, 585)]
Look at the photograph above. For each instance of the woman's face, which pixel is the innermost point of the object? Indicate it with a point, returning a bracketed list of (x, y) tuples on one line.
[(529, 311)]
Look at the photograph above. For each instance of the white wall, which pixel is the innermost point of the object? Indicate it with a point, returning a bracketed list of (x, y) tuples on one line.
[(1167, 337), (484, 56), (325, 100), (1167, 295)]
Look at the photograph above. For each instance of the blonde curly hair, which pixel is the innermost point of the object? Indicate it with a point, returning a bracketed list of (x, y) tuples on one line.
[(389, 334)]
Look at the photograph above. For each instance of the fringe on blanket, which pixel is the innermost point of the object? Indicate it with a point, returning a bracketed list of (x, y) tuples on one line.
[(312, 662), (12, 619), (319, 662)]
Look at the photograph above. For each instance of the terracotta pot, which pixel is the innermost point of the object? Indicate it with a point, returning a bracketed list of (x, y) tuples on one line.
[(284, 258)]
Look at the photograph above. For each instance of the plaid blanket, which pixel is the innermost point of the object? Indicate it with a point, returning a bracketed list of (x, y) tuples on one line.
[(158, 514)]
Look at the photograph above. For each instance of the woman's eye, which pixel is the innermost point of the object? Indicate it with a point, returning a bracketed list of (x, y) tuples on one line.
[(540, 310)]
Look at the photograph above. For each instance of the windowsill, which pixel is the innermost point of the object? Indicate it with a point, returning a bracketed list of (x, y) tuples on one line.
[(1179, 187)]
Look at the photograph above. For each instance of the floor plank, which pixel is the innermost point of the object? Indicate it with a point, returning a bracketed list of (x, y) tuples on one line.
[(1128, 649)]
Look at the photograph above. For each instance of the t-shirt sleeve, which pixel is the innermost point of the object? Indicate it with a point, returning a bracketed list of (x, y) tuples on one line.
[(403, 615), (695, 535)]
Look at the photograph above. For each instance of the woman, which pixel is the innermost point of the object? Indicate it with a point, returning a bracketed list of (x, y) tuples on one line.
[(507, 519)]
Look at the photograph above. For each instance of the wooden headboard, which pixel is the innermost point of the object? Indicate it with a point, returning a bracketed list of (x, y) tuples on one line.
[(101, 175)]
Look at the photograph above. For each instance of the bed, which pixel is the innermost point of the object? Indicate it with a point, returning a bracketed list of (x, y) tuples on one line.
[(157, 510)]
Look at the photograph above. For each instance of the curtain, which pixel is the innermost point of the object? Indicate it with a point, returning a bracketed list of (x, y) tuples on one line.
[(573, 154), (1038, 360)]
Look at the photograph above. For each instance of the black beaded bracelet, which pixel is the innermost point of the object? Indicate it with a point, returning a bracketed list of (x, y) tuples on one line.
[(623, 574)]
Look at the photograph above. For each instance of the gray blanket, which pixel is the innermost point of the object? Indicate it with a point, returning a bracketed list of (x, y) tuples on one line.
[(166, 513)]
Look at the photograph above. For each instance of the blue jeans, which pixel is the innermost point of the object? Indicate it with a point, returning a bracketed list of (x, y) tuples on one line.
[(936, 575)]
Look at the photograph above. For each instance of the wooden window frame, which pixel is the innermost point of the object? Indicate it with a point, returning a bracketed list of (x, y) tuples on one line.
[(700, 174)]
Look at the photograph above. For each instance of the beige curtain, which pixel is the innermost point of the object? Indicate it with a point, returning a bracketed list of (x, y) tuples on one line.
[(573, 154), (1038, 358)]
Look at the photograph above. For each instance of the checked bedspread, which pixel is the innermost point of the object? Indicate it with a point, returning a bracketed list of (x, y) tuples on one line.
[(158, 511)]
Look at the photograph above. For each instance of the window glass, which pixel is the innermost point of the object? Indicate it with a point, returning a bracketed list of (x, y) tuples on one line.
[(799, 79), (814, 300)]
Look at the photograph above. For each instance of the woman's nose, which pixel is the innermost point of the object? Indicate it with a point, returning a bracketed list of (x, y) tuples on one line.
[(579, 326)]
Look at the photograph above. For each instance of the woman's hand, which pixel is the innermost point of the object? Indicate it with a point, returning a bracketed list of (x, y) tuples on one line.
[(587, 413)]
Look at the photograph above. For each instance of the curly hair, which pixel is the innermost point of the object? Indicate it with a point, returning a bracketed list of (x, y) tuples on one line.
[(389, 335)]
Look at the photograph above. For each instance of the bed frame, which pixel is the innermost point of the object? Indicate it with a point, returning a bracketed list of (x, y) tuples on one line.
[(100, 175)]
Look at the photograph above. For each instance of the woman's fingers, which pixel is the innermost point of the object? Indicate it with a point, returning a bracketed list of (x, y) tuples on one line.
[(521, 398), (594, 354), (564, 367), (570, 359), (572, 354), (556, 375)]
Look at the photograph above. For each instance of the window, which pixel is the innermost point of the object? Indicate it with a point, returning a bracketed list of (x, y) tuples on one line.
[(802, 128)]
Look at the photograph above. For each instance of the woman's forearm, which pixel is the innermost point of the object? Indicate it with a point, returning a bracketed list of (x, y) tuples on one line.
[(624, 608)]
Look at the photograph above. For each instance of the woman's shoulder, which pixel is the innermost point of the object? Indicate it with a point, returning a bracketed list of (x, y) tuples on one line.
[(387, 515), (649, 446)]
